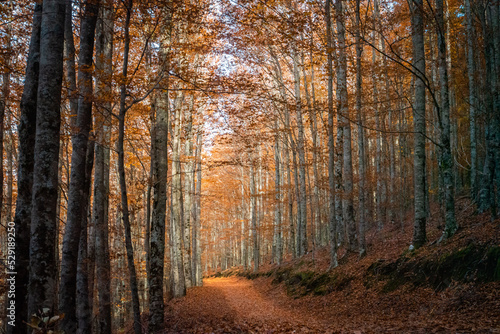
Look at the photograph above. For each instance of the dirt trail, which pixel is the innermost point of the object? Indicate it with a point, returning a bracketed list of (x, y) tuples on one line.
[(235, 305)]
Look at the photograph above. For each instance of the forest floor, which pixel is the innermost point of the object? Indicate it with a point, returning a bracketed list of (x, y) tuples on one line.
[(448, 287)]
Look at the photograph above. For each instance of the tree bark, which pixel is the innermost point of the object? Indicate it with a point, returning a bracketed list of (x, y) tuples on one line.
[(77, 201), (43, 270), (447, 158), (419, 170), (104, 55), (332, 221), (121, 172), (361, 140)]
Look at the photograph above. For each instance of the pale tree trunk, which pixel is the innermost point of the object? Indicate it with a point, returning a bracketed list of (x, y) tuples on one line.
[(380, 198), (343, 110), (253, 209), (419, 230), (43, 270), (121, 173), (159, 175), (179, 282), (277, 240), (197, 269), (26, 134), (77, 201), (287, 140), (332, 222), (302, 223), (447, 158), (188, 183), (361, 141), (104, 55)]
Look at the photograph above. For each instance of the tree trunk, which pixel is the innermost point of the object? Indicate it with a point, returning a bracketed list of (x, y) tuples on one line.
[(197, 269), (26, 133), (332, 221), (77, 201), (43, 270), (179, 282), (278, 249), (121, 172), (188, 183), (471, 71), (343, 110), (159, 164), (417, 23), (361, 140), (302, 202), (83, 300), (104, 55), (447, 158)]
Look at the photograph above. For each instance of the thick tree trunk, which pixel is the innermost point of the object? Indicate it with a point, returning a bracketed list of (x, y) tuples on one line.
[(77, 201), (471, 72), (43, 270), (26, 133), (419, 230), (159, 166), (104, 55)]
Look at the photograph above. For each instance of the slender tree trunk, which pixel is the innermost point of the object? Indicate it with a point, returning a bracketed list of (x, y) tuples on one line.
[(197, 269), (121, 172), (83, 300), (26, 134), (253, 208), (277, 197), (179, 282), (361, 147), (188, 182), (302, 201), (447, 158), (343, 110), (419, 231), (77, 201), (43, 270), (332, 221)]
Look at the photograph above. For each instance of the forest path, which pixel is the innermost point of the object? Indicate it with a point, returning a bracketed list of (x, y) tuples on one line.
[(237, 305)]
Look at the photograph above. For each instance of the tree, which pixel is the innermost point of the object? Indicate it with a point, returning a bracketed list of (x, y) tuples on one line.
[(418, 65), (43, 271), (78, 197)]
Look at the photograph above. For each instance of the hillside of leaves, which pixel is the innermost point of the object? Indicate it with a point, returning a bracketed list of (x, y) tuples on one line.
[(453, 286)]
